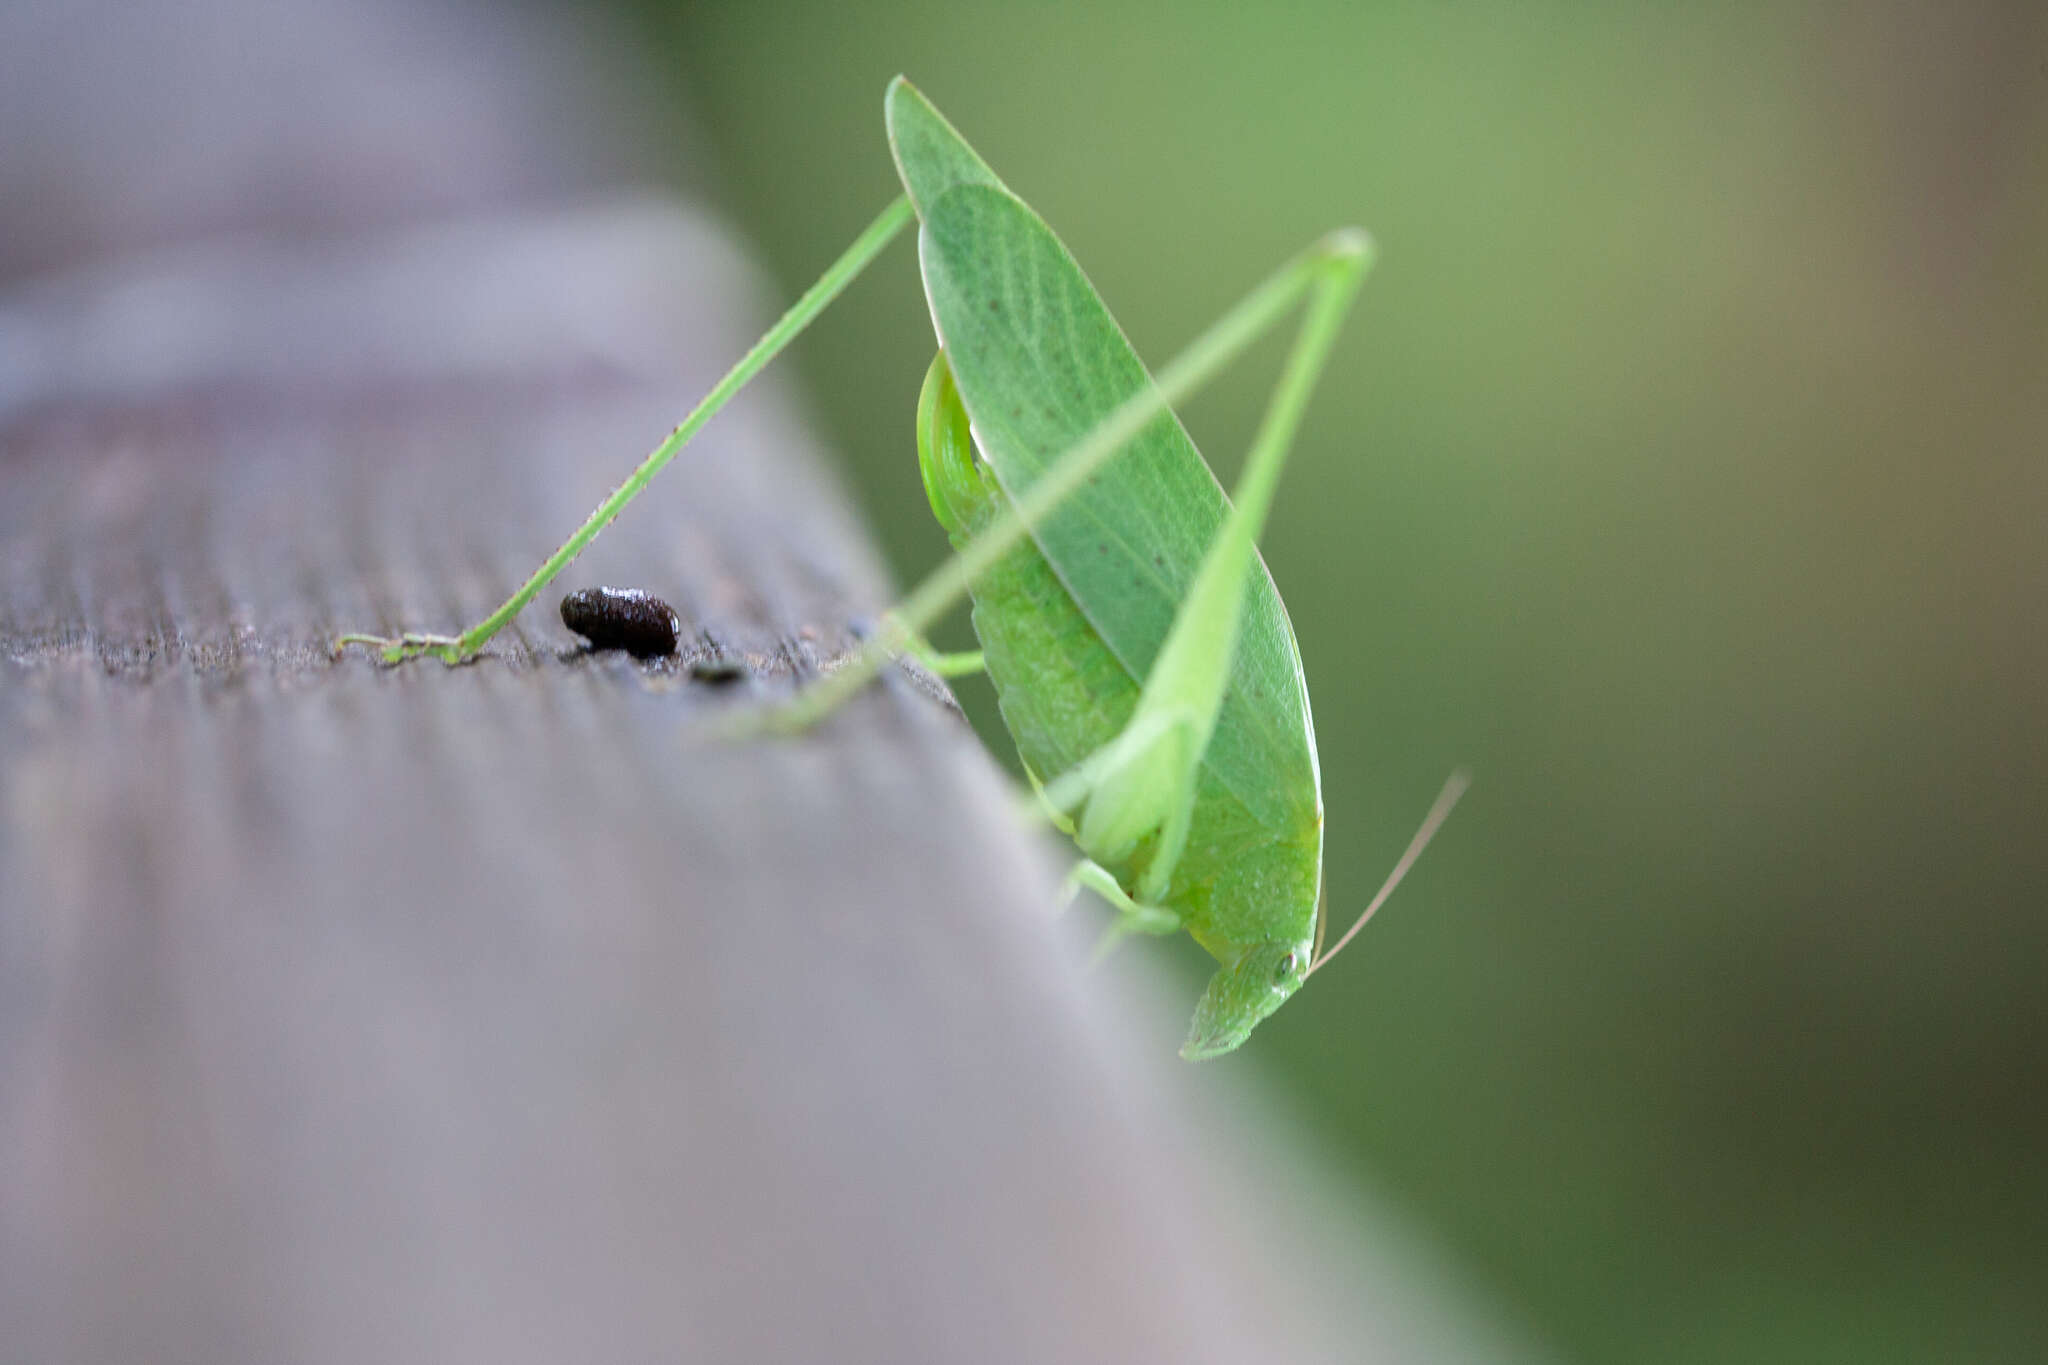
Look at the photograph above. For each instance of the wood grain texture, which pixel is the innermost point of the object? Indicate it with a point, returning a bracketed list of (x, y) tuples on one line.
[(501, 1013)]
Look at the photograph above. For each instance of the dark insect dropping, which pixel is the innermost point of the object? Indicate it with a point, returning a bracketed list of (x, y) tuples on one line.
[(622, 618)]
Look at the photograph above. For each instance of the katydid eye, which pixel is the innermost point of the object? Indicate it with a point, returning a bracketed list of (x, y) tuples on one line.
[(1286, 968)]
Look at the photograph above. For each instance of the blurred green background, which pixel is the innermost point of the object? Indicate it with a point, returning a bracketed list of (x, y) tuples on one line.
[(1682, 474)]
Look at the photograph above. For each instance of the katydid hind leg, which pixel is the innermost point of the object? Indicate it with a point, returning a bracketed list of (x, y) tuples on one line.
[(1328, 274), (885, 228), (1149, 782)]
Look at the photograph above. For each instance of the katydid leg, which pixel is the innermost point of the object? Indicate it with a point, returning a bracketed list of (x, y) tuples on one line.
[(841, 273), (1150, 784), (1131, 917), (964, 664), (1327, 274)]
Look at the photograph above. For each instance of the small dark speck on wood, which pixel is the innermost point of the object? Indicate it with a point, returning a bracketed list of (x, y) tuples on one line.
[(718, 671)]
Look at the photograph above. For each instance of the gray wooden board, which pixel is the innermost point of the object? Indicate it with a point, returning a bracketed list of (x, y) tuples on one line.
[(502, 1013)]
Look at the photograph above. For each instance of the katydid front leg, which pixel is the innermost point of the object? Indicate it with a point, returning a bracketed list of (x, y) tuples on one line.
[(1131, 917)]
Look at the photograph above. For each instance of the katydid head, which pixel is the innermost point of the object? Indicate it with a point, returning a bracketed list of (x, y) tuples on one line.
[(1242, 994)]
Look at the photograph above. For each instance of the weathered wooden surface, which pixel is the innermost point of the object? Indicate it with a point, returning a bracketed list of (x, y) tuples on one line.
[(499, 1013)]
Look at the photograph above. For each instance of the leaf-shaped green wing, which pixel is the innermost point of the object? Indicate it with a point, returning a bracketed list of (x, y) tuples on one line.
[(930, 156), (1039, 363)]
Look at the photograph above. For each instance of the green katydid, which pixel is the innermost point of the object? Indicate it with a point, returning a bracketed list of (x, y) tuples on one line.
[(1142, 659)]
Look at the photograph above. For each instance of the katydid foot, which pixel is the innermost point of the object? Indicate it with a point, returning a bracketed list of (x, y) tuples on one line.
[(413, 644)]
